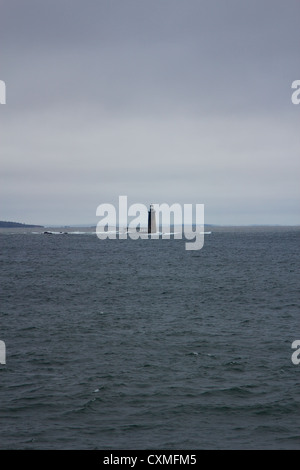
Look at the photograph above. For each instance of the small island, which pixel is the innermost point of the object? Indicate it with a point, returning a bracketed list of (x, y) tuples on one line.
[(4, 224)]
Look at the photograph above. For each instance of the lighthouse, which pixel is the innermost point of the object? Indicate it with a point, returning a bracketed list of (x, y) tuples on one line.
[(151, 220)]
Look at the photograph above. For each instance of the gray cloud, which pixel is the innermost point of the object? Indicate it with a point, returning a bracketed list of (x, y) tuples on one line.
[(105, 98)]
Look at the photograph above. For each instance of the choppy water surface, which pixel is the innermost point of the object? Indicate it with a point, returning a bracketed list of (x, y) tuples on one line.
[(139, 344)]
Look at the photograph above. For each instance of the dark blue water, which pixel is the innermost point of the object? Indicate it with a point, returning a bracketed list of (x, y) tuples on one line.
[(140, 344)]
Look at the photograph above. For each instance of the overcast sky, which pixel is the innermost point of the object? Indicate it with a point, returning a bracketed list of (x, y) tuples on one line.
[(185, 101)]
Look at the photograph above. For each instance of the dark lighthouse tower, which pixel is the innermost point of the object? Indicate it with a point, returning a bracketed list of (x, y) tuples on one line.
[(151, 220)]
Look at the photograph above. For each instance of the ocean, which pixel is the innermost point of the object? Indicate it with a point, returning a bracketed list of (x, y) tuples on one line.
[(141, 344)]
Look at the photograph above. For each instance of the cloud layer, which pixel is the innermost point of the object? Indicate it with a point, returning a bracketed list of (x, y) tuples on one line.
[(165, 101)]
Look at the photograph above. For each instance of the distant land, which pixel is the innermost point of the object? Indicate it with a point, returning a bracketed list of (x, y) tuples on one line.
[(8, 224), (4, 224)]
